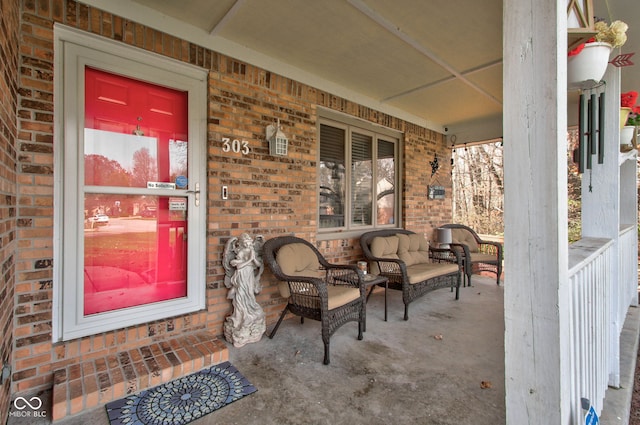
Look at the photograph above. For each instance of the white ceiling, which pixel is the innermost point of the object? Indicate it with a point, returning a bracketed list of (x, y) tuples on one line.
[(436, 62)]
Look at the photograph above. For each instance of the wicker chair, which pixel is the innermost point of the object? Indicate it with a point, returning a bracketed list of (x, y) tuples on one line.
[(333, 294), (479, 254)]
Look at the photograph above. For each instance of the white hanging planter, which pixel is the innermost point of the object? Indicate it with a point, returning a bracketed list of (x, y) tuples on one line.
[(626, 135), (588, 66)]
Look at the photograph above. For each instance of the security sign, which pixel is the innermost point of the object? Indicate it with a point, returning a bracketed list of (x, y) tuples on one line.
[(177, 204)]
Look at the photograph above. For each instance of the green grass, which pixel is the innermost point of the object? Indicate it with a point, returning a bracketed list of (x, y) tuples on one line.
[(133, 251)]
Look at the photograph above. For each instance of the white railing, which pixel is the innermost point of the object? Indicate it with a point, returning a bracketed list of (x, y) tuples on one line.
[(628, 267), (591, 283)]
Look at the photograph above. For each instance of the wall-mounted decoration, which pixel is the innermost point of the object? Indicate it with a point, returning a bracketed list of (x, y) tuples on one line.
[(434, 165), (436, 192)]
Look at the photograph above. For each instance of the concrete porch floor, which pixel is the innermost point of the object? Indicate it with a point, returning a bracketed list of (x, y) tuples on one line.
[(444, 366)]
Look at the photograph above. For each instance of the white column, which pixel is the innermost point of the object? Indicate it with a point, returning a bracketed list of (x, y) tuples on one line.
[(601, 209), (536, 251)]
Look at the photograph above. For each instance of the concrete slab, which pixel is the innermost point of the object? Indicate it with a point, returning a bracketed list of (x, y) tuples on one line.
[(617, 401), (444, 366)]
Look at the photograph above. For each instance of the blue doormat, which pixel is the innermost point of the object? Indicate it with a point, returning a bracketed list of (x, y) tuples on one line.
[(182, 400)]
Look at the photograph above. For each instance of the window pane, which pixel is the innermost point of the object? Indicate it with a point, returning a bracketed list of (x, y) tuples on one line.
[(385, 187), (135, 250), (332, 177), (126, 160), (361, 178), (116, 159)]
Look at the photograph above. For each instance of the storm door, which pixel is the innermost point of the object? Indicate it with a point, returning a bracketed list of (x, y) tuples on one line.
[(133, 192), (135, 241)]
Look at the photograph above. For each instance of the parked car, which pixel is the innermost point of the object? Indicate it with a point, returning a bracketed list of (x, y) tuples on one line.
[(100, 219)]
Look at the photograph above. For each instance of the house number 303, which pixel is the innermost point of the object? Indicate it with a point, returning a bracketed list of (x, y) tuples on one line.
[(235, 145)]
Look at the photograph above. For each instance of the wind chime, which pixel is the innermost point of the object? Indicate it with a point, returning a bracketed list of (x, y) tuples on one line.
[(590, 128), (591, 120)]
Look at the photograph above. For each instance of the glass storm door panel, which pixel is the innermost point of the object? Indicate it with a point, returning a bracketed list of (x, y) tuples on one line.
[(135, 156)]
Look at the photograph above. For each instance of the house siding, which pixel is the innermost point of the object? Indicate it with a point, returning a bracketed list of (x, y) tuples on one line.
[(268, 195)]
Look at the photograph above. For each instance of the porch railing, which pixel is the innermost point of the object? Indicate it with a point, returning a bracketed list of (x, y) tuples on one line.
[(590, 280), (603, 281), (628, 267)]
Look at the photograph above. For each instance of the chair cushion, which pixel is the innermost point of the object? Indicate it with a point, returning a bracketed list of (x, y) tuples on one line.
[(297, 259), (385, 246), (464, 237), (478, 257), (423, 271), (413, 248), (340, 295)]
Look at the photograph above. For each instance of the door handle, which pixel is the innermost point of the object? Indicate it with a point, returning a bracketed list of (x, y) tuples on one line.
[(196, 192)]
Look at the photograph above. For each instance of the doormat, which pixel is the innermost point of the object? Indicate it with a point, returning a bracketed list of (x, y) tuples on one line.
[(182, 400)]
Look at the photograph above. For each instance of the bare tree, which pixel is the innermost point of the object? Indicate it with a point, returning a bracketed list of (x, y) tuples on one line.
[(478, 187), (145, 168)]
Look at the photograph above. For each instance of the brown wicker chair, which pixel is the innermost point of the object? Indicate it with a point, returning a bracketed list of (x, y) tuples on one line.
[(333, 294), (480, 255)]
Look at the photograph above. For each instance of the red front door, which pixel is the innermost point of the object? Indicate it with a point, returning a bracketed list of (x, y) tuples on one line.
[(135, 142)]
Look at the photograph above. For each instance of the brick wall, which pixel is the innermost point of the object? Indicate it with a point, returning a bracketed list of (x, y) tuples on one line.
[(267, 195), (9, 27)]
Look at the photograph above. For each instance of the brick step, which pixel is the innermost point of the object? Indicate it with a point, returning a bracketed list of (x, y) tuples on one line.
[(98, 381)]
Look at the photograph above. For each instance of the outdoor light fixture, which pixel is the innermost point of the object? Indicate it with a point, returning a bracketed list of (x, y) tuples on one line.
[(278, 142)]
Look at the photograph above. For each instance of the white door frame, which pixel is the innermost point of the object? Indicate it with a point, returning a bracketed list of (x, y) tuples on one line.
[(73, 50)]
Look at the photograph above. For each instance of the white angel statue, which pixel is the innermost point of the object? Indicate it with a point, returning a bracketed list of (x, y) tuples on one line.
[(243, 268)]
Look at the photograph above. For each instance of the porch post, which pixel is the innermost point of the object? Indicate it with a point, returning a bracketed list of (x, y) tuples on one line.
[(536, 247), (600, 211)]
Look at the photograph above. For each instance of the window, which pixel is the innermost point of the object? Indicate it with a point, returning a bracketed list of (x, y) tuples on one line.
[(358, 171)]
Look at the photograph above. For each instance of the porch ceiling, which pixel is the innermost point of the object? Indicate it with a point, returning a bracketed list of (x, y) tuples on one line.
[(438, 62)]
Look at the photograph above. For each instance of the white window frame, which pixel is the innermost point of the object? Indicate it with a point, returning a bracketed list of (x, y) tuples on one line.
[(73, 50), (351, 124)]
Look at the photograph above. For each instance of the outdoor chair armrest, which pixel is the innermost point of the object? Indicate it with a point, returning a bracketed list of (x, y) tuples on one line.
[(490, 247), (463, 247), (346, 275), (319, 284), (391, 267)]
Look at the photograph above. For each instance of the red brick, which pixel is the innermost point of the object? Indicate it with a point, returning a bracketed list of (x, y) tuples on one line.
[(288, 208)]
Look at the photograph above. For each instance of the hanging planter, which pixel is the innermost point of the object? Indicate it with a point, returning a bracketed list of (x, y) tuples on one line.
[(588, 62), (624, 114), (589, 65), (626, 135)]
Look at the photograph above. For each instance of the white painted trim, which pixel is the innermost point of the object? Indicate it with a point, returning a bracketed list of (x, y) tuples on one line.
[(351, 124), (73, 50), (153, 19)]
